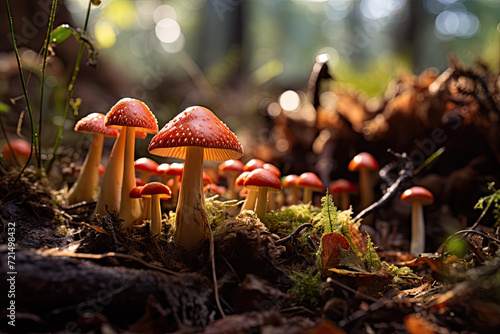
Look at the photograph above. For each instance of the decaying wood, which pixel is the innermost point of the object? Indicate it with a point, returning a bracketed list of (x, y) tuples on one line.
[(72, 289)]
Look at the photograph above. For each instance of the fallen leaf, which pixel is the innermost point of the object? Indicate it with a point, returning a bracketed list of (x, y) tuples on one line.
[(330, 252), (357, 238), (416, 324)]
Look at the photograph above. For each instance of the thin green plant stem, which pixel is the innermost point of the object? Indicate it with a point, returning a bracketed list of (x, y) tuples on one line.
[(8, 142), (70, 91), (44, 64), (34, 139)]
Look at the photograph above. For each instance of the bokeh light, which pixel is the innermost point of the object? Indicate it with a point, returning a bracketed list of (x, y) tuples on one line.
[(457, 23), (289, 100), (105, 34), (168, 30)]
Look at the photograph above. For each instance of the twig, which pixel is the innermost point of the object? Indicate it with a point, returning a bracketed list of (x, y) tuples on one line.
[(293, 234), (466, 232), (214, 275)]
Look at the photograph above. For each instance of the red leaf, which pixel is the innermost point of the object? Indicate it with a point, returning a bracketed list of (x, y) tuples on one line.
[(330, 251)]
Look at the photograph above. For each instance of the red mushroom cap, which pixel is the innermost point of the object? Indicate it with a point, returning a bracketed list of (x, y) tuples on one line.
[(94, 123), (417, 194), (262, 178), (309, 180), (342, 185), (363, 160), (19, 146), (156, 188), (132, 113), (253, 164), (273, 169), (231, 166), (289, 181), (176, 169), (140, 135), (196, 126), (146, 165), (136, 192), (163, 168), (240, 180)]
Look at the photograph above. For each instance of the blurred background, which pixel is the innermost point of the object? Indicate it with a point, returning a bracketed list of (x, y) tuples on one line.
[(304, 84)]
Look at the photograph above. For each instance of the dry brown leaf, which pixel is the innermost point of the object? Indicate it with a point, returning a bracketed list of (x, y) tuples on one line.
[(330, 251), (357, 238)]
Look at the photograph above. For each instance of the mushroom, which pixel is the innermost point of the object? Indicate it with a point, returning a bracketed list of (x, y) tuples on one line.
[(231, 168), (310, 182), (417, 197), (289, 183), (364, 162), (253, 164), (156, 190), (130, 115), (145, 167), (272, 206), (162, 170), (251, 199), (146, 204), (175, 171), (21, 150), (262, 181), (341, 189), (195, 135), (85, 186)]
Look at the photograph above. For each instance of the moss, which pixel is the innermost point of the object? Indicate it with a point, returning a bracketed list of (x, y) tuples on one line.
[(306, 287), (287, 220)]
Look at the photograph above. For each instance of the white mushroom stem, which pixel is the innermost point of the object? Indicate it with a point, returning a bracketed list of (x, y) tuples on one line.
[(249, 203), (417, 245), (110, 193), (155, 215), (191, 221), (130, 208), (261, 206), (175, 188), (365, 188), (308, 195), (295, 195), (87, 182)]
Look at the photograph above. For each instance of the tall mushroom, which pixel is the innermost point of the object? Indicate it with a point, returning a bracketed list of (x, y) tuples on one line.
[(364, 163), (417, 197), (341, 189), (311, 183), (130, 115), (231, 169), (86, 184), (262, 181), (156, 190), (289, 183), (194, 135)]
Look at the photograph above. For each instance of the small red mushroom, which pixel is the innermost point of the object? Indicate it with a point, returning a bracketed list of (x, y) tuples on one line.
[(156, 190), (310, 182), (272, 206), (341, 189), (249, 203), (253, 164), (262, 181), (146, 204), (145, 167), (195, 135), (85, 186), (289, 183), (417, 197), (364, 163), (21, 150), (231, 169)]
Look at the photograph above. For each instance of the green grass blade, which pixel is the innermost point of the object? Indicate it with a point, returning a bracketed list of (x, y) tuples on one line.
[(34, 140), (42, 85), (70, 92)]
